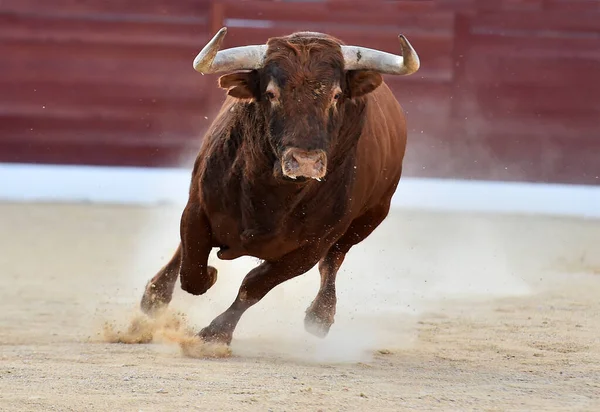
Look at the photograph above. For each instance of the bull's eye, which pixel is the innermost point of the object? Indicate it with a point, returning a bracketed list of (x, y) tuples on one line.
[(337, 96), (270, 95)]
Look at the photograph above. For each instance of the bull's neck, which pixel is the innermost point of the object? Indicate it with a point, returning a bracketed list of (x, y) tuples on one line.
[(255, 156)]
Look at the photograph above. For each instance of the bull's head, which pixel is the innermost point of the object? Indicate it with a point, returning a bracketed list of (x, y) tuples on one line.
[(302, 81)]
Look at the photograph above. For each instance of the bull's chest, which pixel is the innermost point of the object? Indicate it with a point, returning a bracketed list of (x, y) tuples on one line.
[(267, 224)]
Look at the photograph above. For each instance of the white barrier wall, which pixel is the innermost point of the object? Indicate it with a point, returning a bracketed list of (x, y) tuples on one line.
[(147, 186)]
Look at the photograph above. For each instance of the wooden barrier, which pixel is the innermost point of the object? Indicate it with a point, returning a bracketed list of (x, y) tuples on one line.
[(527, 87), (507, 89), (101, 82)]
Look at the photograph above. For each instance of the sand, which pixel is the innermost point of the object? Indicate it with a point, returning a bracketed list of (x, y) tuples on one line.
[(436, 312)]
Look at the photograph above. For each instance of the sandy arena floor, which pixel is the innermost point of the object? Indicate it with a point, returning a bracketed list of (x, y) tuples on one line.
[(437, 312)]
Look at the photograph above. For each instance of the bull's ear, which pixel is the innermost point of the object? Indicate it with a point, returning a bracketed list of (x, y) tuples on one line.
[(242, 85), (361, 82)]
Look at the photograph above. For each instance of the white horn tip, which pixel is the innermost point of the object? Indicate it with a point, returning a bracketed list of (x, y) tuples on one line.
[(402, 38), (412, 61), (204, 59)]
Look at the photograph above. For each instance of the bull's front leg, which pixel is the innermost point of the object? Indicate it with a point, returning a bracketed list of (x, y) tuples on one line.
[(190, 262), (255, 286), (196, 244)]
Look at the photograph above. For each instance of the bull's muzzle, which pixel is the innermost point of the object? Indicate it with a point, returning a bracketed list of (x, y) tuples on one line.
[(302, 163)]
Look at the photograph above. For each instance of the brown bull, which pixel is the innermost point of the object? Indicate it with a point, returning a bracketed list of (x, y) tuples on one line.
[(299, 166)]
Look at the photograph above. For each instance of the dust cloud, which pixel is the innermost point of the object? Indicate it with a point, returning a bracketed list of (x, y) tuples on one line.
[(168, 327), (407, 268)]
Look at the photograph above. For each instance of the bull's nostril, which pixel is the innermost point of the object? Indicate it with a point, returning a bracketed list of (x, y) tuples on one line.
[(302, 163)]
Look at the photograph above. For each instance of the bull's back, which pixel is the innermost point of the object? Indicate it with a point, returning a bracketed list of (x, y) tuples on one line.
[(381, 148)]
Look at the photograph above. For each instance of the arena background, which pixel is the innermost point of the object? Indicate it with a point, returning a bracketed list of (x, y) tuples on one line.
[(478, 292), (100, 102)]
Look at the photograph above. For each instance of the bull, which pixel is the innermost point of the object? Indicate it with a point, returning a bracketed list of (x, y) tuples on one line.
[(299, 165)]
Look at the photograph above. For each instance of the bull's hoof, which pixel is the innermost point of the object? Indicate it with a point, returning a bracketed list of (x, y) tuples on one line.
[(195, 287), (317, 325), (155, 299), (210, 335)]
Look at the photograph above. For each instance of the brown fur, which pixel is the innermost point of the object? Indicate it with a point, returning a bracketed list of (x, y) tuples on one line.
[(240, 203)]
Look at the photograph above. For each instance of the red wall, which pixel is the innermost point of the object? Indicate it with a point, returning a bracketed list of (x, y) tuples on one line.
[(508, 90)]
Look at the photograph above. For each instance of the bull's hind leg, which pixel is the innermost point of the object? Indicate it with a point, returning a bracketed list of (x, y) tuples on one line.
[(159, 290), (255, 286), (190, 263), (321, 313)]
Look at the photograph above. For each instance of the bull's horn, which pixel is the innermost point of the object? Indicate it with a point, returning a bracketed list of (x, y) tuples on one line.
[(211, 60), (362, 58)]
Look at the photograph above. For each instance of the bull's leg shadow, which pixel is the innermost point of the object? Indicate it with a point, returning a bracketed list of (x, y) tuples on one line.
[(190, 263), (320, 315), (257, 283)]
